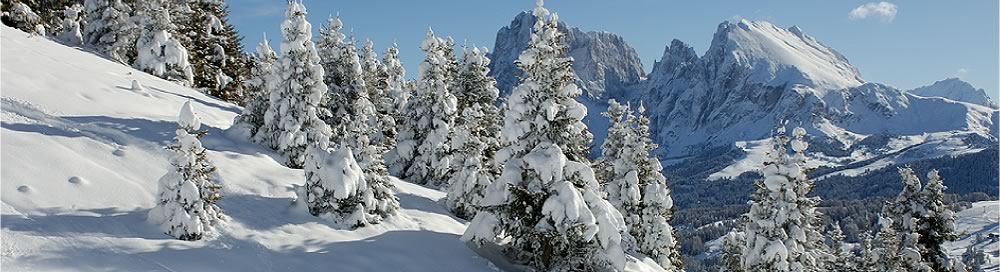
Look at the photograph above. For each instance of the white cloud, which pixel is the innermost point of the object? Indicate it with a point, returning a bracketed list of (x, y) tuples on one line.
[(961, 72), (885, 10)]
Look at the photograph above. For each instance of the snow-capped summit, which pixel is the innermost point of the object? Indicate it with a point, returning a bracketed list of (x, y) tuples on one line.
[(955, 89), (776, 56), (755, 75), (603, 61)]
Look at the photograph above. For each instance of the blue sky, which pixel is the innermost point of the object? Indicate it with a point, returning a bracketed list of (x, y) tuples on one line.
[(902, 43)]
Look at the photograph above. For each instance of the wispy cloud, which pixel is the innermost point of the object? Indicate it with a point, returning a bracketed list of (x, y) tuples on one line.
[(961, 72), (885, 10)]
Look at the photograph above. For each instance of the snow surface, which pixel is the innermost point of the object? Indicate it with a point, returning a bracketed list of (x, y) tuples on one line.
[(983, 218), (82, 153)]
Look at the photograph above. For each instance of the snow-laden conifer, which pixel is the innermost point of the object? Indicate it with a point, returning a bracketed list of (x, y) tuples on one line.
[(545, 210), (257, 89), (476, 135), (109, 29), (186, 203), (395, 81), (291, 122), (71, 33), (216, 54), (376, 80), (732, 252), (158, 52), (636, 186), (781, 231), (937, 225), (422, 153), (905, 212)]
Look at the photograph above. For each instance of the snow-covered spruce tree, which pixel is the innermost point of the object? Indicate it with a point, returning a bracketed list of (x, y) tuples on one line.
[(257, 89), (338, 189), (637, 187), (937, 225), (395, 81), (476, 136), (886, 248), (973, 258), (22, 17), (781, 231), (291, 122), (335, 187), (604, 167), (867, 259), (732, 252), (344, 77), (109, 29), (905, 212), (376, 87), (216, 54), (840, 260), (159, 53), (545, 209), (185, 207), (422, 154), (71, 33)]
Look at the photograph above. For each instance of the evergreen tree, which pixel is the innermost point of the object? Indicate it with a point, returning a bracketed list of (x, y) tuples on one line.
[(782, 222), (71, 33), (973, 258), (159, 53), (395, 81), (376, 88), (21, 16), (422, 154), (216, 52), (886, 257), (637, 187), (476, 135), (258, 89), (338, 189), (905, 212), (840, 260), (867, 260), (732, 252), (291, 121), (186, 206), (335, 188), (604, 167), (545, 210), (937, 225), (110, 30)]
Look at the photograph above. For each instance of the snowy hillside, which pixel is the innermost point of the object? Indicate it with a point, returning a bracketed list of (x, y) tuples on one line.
[(981, 220), (955, 89), (82, 153)]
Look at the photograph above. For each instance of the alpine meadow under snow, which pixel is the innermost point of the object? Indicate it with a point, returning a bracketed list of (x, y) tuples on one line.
[(139, 136)]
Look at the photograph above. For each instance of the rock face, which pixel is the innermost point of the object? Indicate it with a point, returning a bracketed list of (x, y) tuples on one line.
[(603, 61), (956, 89)]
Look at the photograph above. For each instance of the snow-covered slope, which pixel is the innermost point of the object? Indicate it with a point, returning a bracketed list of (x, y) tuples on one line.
[(956, 89), (981, 220), (82, 154)]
